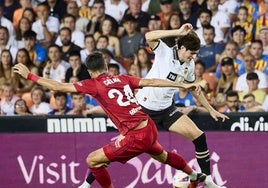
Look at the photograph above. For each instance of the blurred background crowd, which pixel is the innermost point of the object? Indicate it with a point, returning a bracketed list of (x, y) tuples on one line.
[(54, 37)]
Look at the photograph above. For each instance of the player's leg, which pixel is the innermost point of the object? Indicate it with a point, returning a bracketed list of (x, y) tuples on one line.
[(97, 162), (176, 161), (185, 127)]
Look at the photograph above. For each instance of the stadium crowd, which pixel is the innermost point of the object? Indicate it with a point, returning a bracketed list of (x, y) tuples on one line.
[(54, 37)]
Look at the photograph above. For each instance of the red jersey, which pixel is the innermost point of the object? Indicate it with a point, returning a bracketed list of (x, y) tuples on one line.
[(115, 95)]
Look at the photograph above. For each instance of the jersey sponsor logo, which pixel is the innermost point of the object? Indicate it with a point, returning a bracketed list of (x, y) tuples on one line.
[(172, 76)]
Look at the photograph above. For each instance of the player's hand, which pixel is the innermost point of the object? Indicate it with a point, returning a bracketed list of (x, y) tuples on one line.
[(216, 115), (21, 70), (194, 86), (185, 29)]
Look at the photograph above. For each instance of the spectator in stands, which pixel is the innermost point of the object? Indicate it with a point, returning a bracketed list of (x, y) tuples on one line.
[(90, 44), (132, 39), (80, 22), (199, 71), (40, 106), (231, 50), (250, 104), (250, 63), (4, 42), (56, 67), (6, 23), (252, 9), (24, 25), (264, 39), (61, 104), (134, 70), (242, 21), (77, 69), (8, 101), (173, 23), (78, 104), (154, 6), (37, 53), (142, 60), (106, 28), (205, 17), (167, 10), (186, 14), (18, 12), (46, 27), (77, 37), (30, 14), (84, 10), (57, 8), (6, 64), (227, 81), (109, 59), (103, 42), (183, 98), (22, 85), (255, 48), (21, 108), (210, 52), (67, 46), (99, 15), (199, 5), (154, 23), (220, 21), (232, 102), (238, 35), (9, 7), (230, 8), (261, 21), (113, 69), (142, 18), (253, 82), (116, 9)]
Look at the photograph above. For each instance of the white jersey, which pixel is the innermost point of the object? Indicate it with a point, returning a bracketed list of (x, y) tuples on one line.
[(167, 67)]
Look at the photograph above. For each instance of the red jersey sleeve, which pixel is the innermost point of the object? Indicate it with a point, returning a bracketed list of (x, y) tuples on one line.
[(133, 81), (86, 87)]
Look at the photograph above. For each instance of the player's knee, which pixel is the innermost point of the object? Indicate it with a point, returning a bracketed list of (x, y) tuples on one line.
[(90, 160)]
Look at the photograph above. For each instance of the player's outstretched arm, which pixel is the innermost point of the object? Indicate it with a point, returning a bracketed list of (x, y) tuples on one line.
[(155, 82), (158, 34), (214, 113), (48, 83)]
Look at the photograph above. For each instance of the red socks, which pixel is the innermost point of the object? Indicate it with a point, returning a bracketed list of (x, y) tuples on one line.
[(176, 161), (102, 176)]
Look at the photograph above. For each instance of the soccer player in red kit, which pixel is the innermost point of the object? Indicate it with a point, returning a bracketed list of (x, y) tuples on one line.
[(138, 132)]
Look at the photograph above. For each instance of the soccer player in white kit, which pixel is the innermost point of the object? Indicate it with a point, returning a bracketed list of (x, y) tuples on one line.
[(177, 64)]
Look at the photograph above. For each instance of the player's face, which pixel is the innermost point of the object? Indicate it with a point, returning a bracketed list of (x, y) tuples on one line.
[(186, 55)]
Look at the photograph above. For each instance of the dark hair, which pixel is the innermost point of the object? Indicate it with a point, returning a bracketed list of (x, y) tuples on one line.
[(44, 4), (66, 29), (98, 2), (207, 11), (232, 93), (249, 95), (74, 53), (29, 62), (209, 27), (190, 41), (95, 61), (113, 65), (59, 94), (237, 28), (54, 46), (26, 107), (30, 34), (69, 15), (200, 62)]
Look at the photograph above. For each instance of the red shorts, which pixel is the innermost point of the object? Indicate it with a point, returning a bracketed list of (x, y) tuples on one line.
[(136, 142)]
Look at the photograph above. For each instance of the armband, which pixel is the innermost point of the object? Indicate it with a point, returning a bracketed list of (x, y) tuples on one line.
[(33, 77)]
